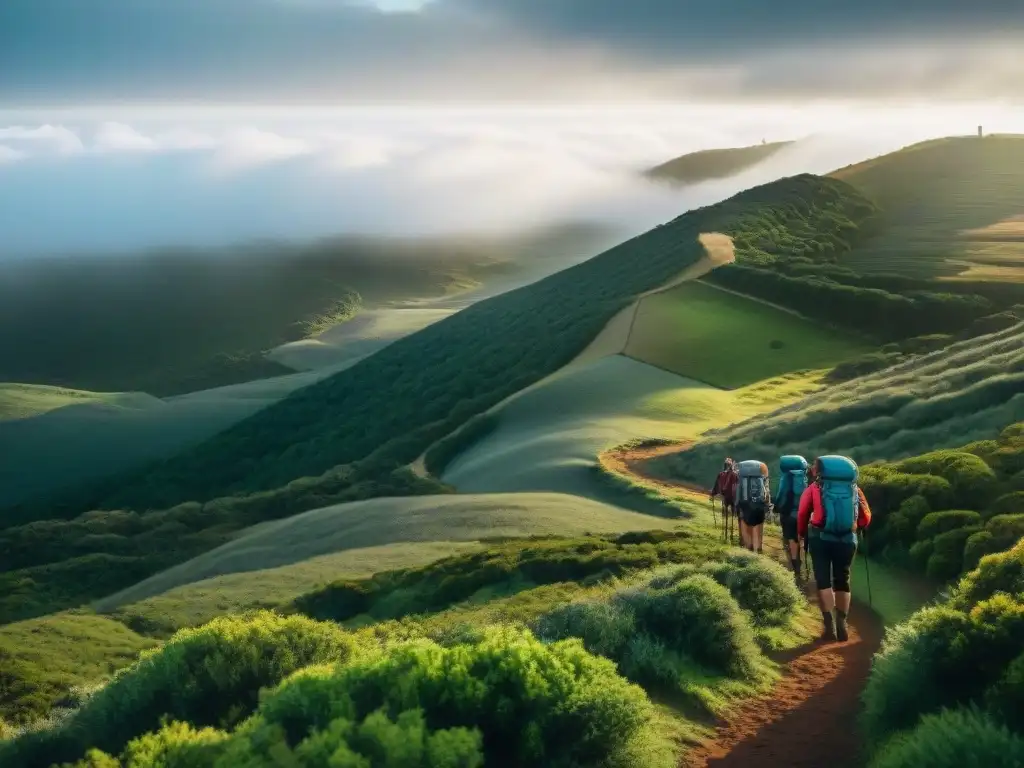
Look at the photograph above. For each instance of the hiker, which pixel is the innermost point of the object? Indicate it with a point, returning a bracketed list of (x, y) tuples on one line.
[(725, 486), (794, 481), (753, 499), (832, 512)]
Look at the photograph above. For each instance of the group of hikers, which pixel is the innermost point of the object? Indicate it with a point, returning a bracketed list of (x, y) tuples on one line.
[(819, 505)]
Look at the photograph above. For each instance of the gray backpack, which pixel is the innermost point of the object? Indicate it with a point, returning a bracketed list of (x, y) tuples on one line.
[(753, 486)]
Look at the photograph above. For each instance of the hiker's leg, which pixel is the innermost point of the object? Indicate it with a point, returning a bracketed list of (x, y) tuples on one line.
[(823, 580), (758, 536), (841, 568)]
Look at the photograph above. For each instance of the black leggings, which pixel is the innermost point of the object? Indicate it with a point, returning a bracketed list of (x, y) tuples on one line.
[(832, 563)]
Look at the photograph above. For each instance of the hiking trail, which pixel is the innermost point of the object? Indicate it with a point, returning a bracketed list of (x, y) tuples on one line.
[(809, 717)]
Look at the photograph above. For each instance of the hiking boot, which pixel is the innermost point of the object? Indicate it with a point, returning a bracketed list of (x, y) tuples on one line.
[(829, 632), (841, 634)]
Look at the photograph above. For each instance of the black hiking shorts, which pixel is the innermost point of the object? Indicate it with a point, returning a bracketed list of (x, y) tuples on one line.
[(752, 514), (832, 562), (788, 523)]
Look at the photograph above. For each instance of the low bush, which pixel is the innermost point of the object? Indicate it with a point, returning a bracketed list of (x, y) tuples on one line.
[(1002, 572), (972, 480), (946, 560), (953, 739), (377, 739), (936, 523), (604, 628), (978, 545), (1008, 504), (175, 745), (1005, 699), (209, 676), (698, 617), (533, 704), (902, 525), (517, 564), (941, 657)]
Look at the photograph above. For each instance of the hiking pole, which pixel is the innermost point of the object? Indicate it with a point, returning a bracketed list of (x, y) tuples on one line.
[(807, 559), (867, 568)]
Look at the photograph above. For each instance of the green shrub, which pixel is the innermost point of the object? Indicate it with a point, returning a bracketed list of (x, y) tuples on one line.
[(1008, 504), (901, 526), (698, 617), (1002, 572), (979, 544), (921, 552), (886, 488), (760, 585), (176, 745), (648, 661), (1005, 699), (972, 480), (947, 557), (209, 676), (533, 704), (953, 739), (403, 742), (941, 657), (936, 523), (604, 628), (1016, 483)]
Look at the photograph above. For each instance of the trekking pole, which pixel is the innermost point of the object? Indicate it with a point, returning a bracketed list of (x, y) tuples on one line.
[(807, 560), (867, 568)]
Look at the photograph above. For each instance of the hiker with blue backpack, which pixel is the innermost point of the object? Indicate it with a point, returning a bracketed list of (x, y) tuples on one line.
[(794, 480), (753, 502), (832, 512)]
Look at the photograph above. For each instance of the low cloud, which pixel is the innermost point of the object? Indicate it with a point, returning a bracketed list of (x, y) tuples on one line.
[(123, 179)]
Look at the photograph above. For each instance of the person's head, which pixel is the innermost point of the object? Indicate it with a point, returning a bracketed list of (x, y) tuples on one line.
[(815, 470), (727, 465)]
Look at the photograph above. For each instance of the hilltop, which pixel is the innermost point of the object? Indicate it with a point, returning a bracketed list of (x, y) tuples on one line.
[(710, 164)]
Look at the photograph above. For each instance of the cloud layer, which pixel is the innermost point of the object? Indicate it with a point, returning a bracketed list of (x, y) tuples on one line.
[(121, 179), (61, 51)]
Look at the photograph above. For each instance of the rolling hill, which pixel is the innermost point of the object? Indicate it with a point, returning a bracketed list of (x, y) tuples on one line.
[(172, 322), (709, 164), (350, 435)]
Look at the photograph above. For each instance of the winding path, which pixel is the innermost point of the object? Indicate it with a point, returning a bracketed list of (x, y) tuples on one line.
[(809, 718)]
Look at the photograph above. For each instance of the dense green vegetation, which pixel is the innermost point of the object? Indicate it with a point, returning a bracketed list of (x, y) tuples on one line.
[(941, 512), (710, 164), (508, 567), (947, 688), (347, 436), (441, 453), (967, 391), (729, 341), (453, 685), (180, 321)]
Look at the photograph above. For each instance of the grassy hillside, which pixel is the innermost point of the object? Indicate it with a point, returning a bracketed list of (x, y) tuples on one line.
[(950, 208), (173, 322), (968, 391), (947, 208), (348, 436), (65, 438), (698, 331), (709, 164), (549, 437), (381, 522)]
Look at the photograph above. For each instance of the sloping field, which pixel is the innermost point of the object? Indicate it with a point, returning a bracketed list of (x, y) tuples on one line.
[(548, 439), (380, 522), (23, 401), (709, 164), (968, 391), (348, 342), (950, 207), (66, 437), (702, 332)]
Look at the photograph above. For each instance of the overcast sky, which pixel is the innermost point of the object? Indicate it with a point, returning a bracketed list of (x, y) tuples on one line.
[(57, 52)]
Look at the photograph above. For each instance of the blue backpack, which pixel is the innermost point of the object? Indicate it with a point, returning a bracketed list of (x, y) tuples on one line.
[(839, 498), (792, 485)]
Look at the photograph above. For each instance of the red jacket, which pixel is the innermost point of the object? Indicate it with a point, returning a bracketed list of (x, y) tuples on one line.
[(811, 512), (725, 484)]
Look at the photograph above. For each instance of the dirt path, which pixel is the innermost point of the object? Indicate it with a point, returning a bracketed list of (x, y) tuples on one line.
[(809, 718)]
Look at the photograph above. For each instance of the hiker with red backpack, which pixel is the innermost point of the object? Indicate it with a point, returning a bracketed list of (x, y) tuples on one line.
[(792, 484), (832, 511), (725, 486)]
